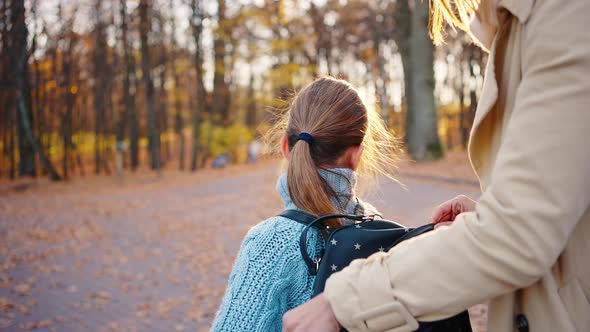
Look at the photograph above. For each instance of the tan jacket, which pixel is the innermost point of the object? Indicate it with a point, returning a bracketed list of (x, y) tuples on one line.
[(526, 248)]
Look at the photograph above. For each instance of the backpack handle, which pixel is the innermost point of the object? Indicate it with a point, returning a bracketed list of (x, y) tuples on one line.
[(312, 221), (313, 266)]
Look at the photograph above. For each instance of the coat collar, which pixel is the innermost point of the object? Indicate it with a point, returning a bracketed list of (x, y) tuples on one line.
[(484, 30), (342, 180), (486, 34), (521, 9)]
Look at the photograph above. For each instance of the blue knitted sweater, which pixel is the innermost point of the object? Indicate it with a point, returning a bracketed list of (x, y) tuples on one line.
[(269, 276)]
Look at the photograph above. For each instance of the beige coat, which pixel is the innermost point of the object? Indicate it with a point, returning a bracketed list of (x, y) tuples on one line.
[(526, 248)]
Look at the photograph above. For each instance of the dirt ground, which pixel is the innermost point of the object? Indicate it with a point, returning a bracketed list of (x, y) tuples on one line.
[(152, 252)]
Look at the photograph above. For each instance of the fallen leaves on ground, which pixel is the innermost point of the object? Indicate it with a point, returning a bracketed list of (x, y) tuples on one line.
[(145, 253)]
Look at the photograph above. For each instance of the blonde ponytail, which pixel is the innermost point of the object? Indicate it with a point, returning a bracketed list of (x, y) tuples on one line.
[(307, 188)]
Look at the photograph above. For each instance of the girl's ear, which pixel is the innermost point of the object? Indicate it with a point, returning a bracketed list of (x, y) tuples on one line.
[(285, 147), (351, 157), (355, 156)]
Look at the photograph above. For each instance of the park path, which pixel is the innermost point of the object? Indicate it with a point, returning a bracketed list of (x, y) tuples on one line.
[(148, 253)]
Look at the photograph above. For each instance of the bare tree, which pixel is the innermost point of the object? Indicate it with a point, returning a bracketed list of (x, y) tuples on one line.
[(423, 141), (100, 87), (403, 18), (162, 93), (26, 165), (220, 102), (69, 90), (178, 118), (196, 23), (417, 53), (130, 118), (28, 144), (7, 92), (152, 116)]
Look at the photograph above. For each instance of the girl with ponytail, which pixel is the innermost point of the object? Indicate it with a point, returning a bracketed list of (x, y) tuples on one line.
[(329, 140)]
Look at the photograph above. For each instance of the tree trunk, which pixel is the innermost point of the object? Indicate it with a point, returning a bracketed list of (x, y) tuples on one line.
[(220, 90), (100, 89), (129, 83), (251, 116), (423, 140), (378, 69), (12, 133), (123, 117), (317, 21), (34, 85), (219, 110), (201, 103), (402, 37), (67, 121), (26, 151), (178, 119), (3, 87), (70, 94), (25, 130), (164, 105), (152, 116), (7, 93)]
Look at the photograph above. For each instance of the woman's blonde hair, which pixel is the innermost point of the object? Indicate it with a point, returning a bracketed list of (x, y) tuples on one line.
[(332, 111), (452, 13)]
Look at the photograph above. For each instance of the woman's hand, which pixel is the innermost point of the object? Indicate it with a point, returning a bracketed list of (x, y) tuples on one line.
[(313, 316), (446, 213)]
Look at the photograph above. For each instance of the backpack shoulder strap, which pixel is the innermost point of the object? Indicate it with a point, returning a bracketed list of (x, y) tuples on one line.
[(306, 220), (299, 216)]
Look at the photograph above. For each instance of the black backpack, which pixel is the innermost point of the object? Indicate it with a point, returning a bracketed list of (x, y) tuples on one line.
[(360, 240)]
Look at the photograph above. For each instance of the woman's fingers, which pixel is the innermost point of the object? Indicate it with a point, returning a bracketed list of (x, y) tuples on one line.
[(439, 214), (450, 209), (442, 213), (444, 223)]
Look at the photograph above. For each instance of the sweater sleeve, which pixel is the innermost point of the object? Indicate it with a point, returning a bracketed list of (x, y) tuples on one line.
[(258, 290)]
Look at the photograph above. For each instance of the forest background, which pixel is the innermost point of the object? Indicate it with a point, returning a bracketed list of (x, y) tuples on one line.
[(113, 111), (107, 86)]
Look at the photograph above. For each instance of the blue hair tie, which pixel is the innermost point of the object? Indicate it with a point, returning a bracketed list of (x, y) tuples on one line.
[(306, 137)]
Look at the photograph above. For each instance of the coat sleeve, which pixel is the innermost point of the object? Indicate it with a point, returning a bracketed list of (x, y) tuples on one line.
[(539, 191)]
